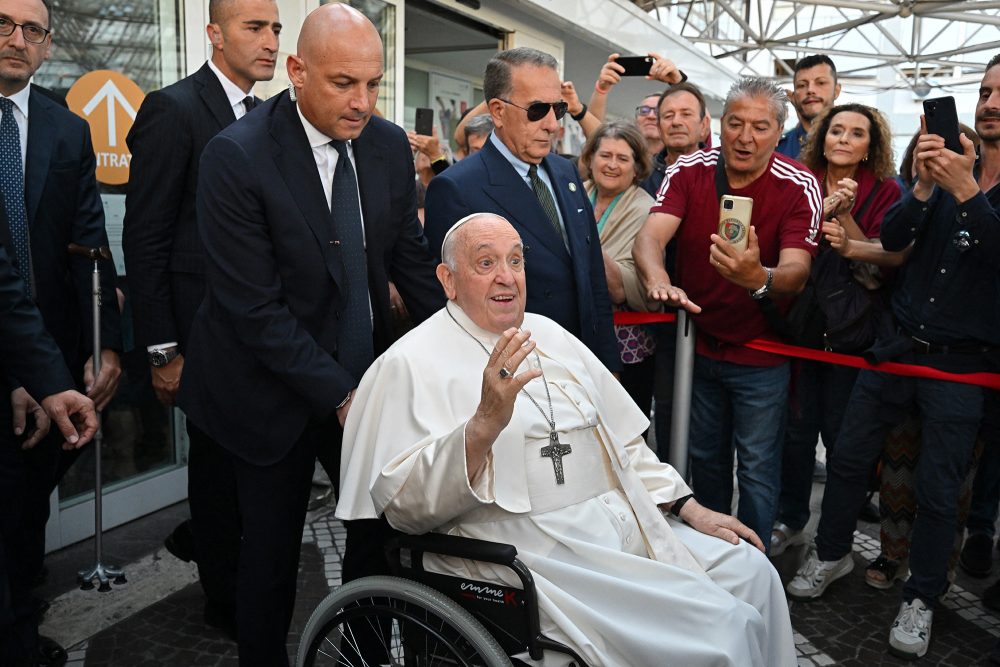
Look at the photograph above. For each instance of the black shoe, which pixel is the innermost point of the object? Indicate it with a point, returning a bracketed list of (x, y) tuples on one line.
[(181, 542), (870, 513), (216, 617), (991, 596), (49, 653), (977, 556)]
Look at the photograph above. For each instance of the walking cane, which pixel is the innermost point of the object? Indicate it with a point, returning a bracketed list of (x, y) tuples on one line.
[(100, 572)]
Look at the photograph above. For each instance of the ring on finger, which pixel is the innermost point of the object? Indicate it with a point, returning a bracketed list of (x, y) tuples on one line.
[(504, 373)]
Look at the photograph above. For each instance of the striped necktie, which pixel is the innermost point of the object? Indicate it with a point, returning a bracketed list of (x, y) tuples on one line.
[(544, 197)]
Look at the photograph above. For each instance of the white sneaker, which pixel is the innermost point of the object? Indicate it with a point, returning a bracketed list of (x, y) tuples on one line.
[(815, 575), (783, 537), (910, 634)]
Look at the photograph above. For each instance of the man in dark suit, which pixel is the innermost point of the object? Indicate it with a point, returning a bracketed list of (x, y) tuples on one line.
[(31, 361), (516, 176), (50, 199), (306, 208), (164, 258)]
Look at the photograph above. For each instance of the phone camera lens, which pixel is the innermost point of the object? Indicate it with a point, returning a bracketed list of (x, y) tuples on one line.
[(728, 204)]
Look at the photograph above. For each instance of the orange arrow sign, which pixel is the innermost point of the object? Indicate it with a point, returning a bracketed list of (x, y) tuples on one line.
[(120, 97)]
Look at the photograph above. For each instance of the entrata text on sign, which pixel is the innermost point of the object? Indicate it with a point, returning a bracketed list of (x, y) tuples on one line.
[(108, 101)]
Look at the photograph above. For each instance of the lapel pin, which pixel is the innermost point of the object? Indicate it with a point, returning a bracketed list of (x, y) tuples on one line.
[(572, 187)]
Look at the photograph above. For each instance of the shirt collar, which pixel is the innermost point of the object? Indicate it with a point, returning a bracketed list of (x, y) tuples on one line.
[(232, 91), (520, 166), (487, 338), (315, 137), (20, 99)]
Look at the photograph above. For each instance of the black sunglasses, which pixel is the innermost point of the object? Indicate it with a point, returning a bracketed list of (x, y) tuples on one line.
[(539, 110)]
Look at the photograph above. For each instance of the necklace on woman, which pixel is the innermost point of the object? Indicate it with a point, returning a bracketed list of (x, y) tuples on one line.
[(555, 450)]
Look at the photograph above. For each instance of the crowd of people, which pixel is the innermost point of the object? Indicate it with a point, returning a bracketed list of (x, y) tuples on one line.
[(276, 250)]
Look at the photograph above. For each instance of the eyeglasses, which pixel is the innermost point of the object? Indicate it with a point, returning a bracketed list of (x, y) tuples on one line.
[(539, 110), (645, 110), (31, 33)]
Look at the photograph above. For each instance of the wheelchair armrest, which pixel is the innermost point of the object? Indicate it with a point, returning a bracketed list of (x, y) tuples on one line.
[(454, 545)]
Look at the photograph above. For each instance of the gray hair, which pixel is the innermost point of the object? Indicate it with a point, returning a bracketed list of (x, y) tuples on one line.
[(755, 86), (480, 125), (497, 80)]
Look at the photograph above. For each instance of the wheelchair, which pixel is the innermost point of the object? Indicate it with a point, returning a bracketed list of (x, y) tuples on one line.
[(418, 618)]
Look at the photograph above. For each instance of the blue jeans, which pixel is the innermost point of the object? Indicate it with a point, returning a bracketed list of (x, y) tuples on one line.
[(949, 415), (819, 397), (742, 408)]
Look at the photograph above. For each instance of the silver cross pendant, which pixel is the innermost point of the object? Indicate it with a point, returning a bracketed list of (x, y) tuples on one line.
[(556, 450)]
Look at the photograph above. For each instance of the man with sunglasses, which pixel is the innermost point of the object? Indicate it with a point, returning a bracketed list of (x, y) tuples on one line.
[(516, 176)]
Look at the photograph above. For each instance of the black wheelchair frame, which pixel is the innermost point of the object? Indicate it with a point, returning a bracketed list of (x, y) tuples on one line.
[(421, 617)]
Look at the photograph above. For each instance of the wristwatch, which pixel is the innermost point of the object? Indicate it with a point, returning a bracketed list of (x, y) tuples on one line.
[(160, 358), (762, 292)]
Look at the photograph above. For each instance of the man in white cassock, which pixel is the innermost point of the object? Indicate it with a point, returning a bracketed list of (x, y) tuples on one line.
[(543, 450)]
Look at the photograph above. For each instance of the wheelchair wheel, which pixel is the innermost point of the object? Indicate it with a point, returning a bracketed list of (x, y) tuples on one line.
[(396, 622)]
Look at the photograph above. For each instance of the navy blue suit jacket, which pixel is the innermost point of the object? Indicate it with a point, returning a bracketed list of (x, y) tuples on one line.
[(163, 253), (28, 355), (567, 286), (63, 206), (262, 358)]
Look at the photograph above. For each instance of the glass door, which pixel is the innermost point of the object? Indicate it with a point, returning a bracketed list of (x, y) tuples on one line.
[(104, 56)]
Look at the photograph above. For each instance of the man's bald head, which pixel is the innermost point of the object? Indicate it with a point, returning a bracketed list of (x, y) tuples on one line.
[(335, 21), (337, 70)]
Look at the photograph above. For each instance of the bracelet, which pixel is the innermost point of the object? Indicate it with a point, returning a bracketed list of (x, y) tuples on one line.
[(597, 89), (579, 116), (675, 509)]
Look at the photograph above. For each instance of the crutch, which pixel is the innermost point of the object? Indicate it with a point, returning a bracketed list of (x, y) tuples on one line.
[(100, 572)]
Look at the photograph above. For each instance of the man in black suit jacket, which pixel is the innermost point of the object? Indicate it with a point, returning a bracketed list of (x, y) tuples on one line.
[(31, 361), (294, 244), (49, 200), (164, 258), (563, 263)]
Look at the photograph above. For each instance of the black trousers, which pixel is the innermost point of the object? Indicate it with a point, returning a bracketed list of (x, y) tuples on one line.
[(18, 629)]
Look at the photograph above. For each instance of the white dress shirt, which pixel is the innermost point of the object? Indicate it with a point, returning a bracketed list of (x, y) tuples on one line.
[(234, 94)]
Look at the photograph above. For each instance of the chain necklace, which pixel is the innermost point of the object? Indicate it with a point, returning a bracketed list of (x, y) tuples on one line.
[(555, 450)]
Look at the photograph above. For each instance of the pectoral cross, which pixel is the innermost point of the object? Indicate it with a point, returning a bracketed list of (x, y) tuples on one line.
[(555, 450)]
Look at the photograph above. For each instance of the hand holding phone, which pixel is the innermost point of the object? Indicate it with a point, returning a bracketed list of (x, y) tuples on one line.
[(734, 220), (635, 65), (942, 120)]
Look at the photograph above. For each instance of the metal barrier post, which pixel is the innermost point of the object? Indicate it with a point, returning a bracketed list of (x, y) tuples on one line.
[(683, 378)]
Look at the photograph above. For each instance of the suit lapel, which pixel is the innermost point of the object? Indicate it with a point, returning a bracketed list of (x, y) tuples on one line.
[(570, 202), (41, 134), (512, 194), (211, 93), (294, 158)]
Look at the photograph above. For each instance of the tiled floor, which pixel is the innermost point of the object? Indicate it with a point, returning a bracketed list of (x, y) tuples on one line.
[(848, 626)]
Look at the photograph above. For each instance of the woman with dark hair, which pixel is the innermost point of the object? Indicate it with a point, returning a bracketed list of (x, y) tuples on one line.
[(614, 161), (850, 152)]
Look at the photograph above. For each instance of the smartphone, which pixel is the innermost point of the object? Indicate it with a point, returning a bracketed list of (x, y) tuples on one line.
[(635, 65), (734, 220), (425, 121), (942, 120)]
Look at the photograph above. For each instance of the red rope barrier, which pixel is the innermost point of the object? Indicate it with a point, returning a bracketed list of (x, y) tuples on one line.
[(988, 380)]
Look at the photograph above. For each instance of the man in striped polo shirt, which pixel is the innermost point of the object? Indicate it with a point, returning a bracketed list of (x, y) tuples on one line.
[(740, 395)]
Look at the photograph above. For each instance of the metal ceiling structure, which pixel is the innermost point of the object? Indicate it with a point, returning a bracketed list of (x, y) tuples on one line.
[(885, 44)]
